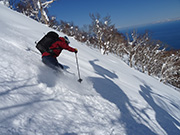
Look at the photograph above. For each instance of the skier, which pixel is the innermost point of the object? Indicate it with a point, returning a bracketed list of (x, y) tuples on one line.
[(50, 58)]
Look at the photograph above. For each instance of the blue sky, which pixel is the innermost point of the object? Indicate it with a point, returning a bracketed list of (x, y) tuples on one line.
[(124, 13)]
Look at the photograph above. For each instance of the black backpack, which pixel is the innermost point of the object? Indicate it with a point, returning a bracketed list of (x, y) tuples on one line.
[(44, 44)]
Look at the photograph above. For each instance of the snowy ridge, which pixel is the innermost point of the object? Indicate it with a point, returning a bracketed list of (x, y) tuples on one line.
[(113, 99)]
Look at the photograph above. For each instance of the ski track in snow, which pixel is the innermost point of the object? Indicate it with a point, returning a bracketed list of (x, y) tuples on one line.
[(113, 99)]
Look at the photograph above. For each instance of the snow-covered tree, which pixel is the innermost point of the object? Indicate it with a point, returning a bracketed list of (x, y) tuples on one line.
[(42, 5), (53, 23), (118, 43), (36, 9), (150, 60), (136, 43), (66, 27), (9, 3), (96, 28), (170, 71), (105, 33), (28, 8)]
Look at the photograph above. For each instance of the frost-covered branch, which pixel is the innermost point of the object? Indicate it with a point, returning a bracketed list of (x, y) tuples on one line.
[(42, 7), (45, 4)]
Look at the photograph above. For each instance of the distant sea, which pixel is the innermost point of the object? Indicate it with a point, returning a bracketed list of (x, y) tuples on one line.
[(167, 32)]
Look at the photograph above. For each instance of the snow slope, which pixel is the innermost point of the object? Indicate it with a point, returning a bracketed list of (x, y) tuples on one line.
[(113, 99)]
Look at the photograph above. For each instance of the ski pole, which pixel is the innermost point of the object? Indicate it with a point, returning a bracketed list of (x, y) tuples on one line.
[(79, 80)]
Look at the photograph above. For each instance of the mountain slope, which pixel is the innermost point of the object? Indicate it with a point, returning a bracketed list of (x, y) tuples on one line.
[(113, 99)]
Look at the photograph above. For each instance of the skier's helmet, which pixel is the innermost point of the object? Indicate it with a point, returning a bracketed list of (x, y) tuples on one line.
[(66, 39)]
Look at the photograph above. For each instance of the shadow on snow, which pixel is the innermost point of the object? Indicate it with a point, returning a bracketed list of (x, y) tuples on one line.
[(113, 93), (165, 120)]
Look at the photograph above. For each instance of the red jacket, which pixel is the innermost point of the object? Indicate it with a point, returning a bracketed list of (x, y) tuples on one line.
[(58, 46)]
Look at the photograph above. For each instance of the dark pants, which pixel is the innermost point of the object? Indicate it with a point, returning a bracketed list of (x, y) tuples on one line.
[(51, 62)]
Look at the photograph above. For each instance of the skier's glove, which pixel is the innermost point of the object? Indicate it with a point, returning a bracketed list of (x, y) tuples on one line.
[(76, 50)]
